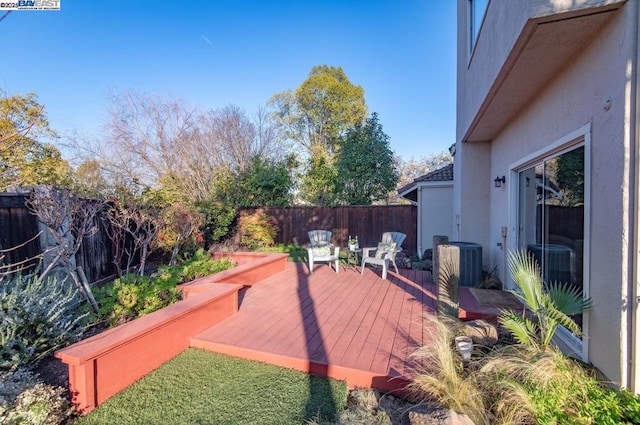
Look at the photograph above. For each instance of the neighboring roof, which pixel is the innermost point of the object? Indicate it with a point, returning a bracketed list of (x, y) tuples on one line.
[(409, 191)]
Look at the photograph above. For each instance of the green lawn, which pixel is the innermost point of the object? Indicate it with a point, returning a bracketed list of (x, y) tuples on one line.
[(297, 254), (199, 387)]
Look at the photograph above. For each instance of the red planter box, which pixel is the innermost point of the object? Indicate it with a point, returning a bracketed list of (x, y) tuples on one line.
[(105, 364)]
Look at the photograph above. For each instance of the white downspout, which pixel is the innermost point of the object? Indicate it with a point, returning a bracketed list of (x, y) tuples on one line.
[(633, 378), (419, 236)]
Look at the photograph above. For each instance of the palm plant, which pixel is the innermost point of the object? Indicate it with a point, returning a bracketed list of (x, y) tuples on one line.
[(550, 305)]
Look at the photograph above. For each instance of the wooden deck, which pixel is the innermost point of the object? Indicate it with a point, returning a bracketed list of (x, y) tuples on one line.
[(348, 326), (358, 328)]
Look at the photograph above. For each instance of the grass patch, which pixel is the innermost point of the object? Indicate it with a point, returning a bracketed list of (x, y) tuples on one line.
[(207, 388), (297, 253)]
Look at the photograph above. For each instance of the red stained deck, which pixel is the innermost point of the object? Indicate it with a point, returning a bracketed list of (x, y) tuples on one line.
[(348, 326)]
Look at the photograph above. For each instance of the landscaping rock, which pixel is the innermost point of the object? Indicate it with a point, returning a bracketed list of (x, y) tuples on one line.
[(459, 419), (427, 415), (421, 265), (482, 332)]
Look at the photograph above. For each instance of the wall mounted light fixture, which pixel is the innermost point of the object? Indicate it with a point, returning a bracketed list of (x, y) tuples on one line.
[(499, 181)]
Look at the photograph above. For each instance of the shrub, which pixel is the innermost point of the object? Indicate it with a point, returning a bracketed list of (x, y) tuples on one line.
[(132, 296), (485, 397), (37, 317), (296, 253), (564, 392), (201, 264), (257, 230), (24, 400), (219, 220), (363, 407), (630, 404), (12, 383), (180, 230), (39, 405), (518, 384)]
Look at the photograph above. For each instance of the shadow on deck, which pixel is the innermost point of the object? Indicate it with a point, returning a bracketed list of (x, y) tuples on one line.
[(348, 326)]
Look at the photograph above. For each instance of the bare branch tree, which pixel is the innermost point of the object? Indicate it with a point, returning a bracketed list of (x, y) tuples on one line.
[(132, 220), (145, 224), (115, 223), (413, 168), (162, 142), (69, 220), (146, 134)]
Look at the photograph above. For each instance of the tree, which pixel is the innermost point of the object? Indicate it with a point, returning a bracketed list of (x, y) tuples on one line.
[(412, 168), (24, 158), (263, 183), (149, 137), (569, 173), (180, 223), (88, 178), (169, 146), (321, 109), (318, 185), (366, 170), (134, 226), (266, 183), (315, 116), (239, 137), (69, 219)]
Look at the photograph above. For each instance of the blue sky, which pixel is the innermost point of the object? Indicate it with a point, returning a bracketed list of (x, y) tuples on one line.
[(215, 53)]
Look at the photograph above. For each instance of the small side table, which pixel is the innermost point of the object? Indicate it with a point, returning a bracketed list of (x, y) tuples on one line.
[(353, 254)]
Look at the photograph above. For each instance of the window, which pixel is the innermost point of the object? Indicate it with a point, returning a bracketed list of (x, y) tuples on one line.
[(551, 216), (477, 9)]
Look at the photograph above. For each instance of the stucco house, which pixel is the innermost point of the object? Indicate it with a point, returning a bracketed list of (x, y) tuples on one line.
[(548, 156), (432, 193)]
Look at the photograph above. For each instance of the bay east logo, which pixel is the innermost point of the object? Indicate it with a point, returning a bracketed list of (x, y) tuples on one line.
[(30, 5)]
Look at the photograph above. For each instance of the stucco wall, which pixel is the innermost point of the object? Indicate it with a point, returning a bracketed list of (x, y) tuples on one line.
[(477, 71), (472, 186), (576, 97), (504, 21), (436, 213)]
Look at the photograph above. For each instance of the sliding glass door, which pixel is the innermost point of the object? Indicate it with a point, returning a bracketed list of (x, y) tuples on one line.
[(551, 195)]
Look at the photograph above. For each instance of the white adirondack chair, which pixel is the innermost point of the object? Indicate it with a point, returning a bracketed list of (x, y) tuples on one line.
[(385, 252), (321, 250), (396, 237)]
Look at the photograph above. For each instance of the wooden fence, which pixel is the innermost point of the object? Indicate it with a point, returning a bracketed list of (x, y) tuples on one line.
[(18, 228), (366, 222)]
